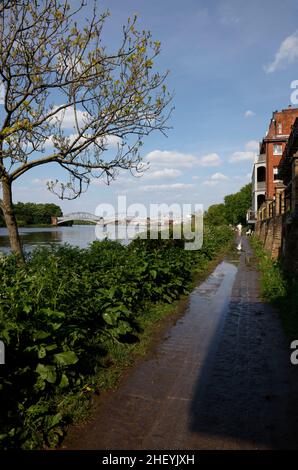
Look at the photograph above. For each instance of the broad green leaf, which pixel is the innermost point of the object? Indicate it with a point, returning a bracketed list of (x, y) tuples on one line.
[(41, 334), (47, 372), (52, 421), (66, 358), (111, 317), (64, 381)]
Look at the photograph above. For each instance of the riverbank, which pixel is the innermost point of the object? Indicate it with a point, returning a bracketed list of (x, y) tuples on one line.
[(32, 237), (219, 379), (278, 288), (71, 315), (23, 225), (153, 325)]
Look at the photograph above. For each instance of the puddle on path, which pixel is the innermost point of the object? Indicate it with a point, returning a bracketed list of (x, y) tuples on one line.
[(207, 384), (151, 409)]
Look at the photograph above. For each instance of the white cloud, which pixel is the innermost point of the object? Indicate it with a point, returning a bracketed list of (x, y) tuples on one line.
[(230, 20), (287, 53), (228, 14), (238, 157), (49, 142), (113, 141), (160, 158), (165, 187), (249, 154), (215, 179), (110, 141), (166, 173), (248, 113), (219, 177), (242, 178), (211, 159), (252, 145), (172, 158), (41, 181), (130, 184), (210, 183), (68, 116)]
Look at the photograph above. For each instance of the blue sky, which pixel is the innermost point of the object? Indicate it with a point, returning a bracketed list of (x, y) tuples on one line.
[(231, 64)]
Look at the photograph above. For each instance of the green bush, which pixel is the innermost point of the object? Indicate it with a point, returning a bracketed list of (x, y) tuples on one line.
[(279, 288), (273, 284), (60, 313)]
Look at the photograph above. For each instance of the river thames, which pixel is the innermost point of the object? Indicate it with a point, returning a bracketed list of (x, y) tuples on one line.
[(77, 235)]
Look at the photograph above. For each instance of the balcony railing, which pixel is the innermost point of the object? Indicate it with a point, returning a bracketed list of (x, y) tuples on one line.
[(260, 186)]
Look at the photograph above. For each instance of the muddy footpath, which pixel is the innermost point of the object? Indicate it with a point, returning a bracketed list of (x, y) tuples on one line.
[(220, 379)]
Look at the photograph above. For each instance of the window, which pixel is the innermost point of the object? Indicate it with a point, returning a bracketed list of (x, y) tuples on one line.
[(277, 149), (275, 173), (279, 128), (261, 174)]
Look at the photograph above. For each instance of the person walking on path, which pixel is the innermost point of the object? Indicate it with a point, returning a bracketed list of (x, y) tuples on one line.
[(239, 233)]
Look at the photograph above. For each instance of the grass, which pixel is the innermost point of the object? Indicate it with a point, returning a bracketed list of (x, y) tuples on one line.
[(279, 288)]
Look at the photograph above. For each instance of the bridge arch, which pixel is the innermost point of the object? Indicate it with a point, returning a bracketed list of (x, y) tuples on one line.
[(82, 216)]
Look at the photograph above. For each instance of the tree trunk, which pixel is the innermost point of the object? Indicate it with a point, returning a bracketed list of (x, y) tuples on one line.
[(10, 219)]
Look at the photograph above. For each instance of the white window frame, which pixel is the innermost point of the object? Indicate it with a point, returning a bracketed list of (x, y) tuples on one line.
[(279, 152), (275, 173), (279, 127)]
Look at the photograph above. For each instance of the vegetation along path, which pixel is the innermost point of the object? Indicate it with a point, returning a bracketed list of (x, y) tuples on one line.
[(221, 379)]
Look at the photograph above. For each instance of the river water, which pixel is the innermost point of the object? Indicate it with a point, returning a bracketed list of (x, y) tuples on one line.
[(77, 235)]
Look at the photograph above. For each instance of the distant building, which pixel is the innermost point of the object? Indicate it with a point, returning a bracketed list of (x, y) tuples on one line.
[(265, 175)]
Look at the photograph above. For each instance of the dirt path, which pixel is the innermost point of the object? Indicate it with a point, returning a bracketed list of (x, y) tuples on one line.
[(220, 380)]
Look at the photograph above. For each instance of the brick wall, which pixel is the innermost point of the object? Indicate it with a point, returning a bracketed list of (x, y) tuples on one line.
[(285, 119), (290, 247), (270, 232)]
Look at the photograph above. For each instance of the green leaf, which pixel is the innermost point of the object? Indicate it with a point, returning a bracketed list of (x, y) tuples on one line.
[(111, 317), (64, 381), (66, 358), (41, 334), (42, 352), (52, 421), (50, 347), (47, 372)]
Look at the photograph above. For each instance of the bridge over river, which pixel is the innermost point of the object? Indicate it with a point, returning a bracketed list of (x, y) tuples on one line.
[(117, 219)]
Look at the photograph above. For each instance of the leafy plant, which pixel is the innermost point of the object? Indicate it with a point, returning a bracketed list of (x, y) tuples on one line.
[(61, 313), (279, 288)]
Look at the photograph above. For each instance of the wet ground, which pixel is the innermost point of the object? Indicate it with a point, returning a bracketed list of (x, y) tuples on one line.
[(221, 379)]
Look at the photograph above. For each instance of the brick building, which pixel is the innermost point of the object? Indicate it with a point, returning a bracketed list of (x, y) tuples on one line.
[(265, 176), (288, 171), (274, 143), (276, 221)]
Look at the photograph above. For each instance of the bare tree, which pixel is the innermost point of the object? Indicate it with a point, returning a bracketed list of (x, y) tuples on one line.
[(52, 68)]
